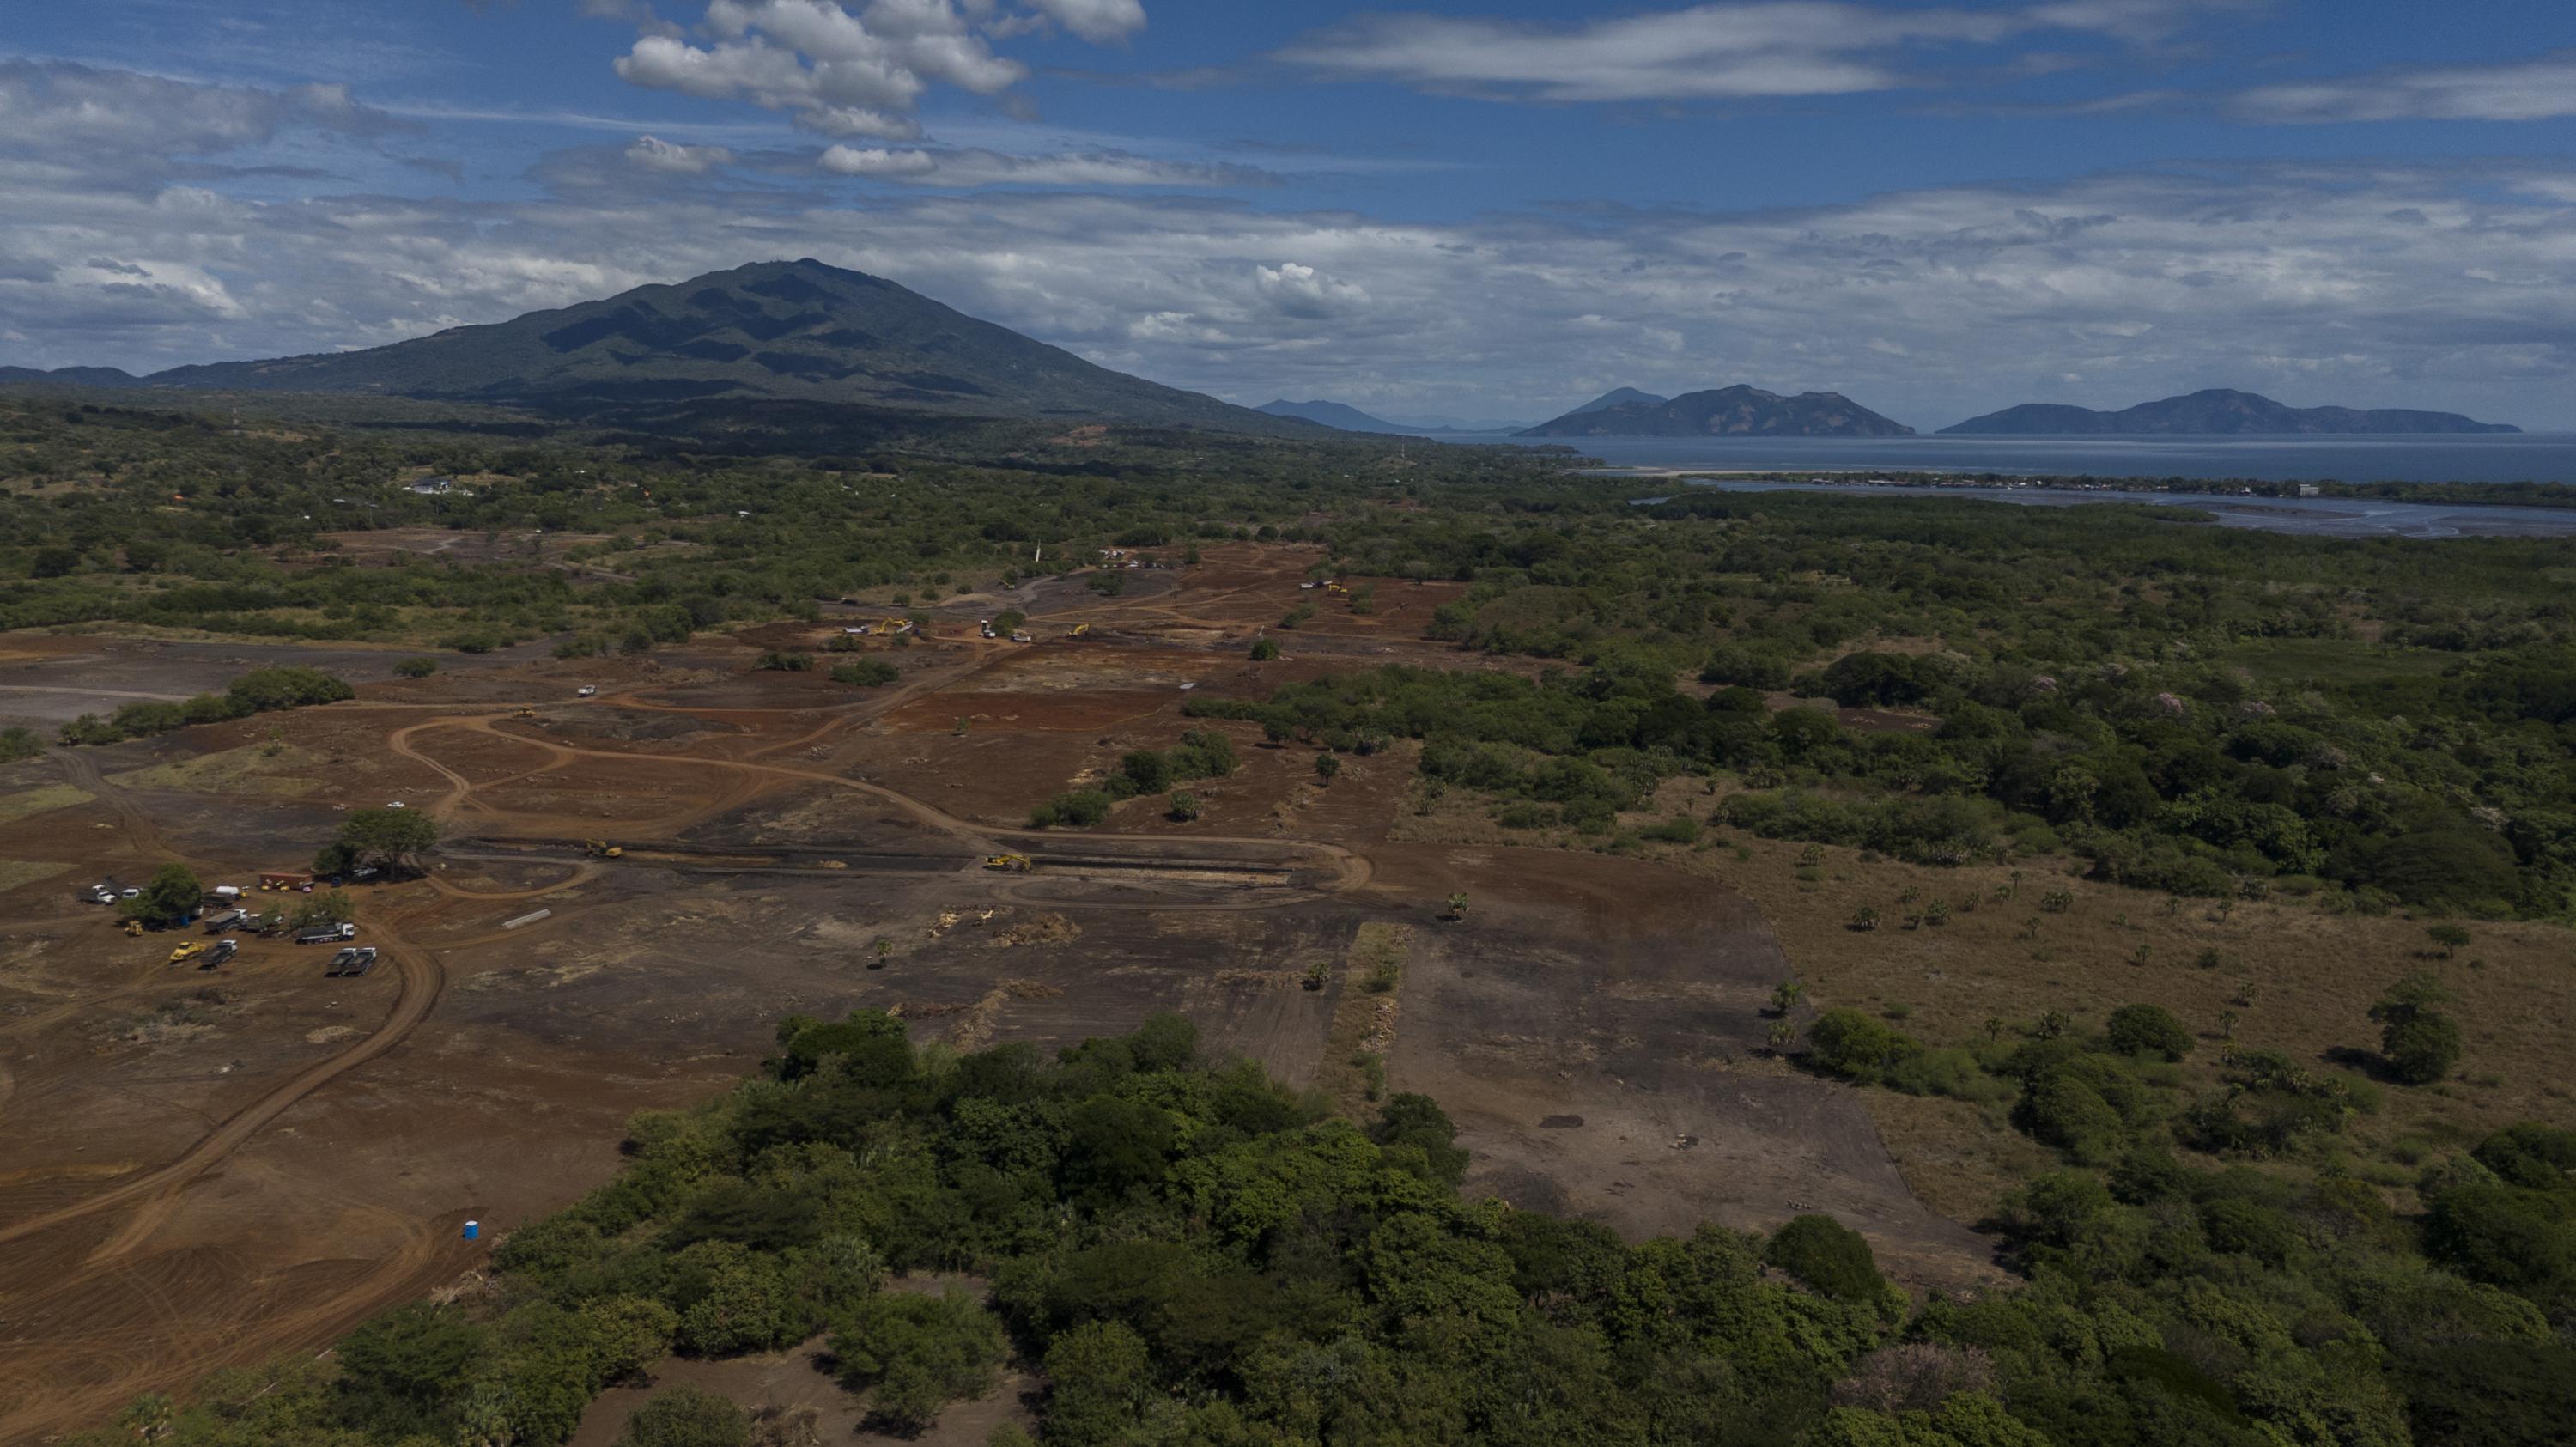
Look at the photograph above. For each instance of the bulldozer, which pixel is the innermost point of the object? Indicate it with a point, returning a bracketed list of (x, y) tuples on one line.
[(525, 712), (1009, 863), (134, 929), (602, 849)]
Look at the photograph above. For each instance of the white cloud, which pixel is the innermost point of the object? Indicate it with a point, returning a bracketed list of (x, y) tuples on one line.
[(877, 164), (2320, 282), (651, 153), (967, 167), (843, 68), (75, 112), (1708, 52), (1098, 21), (2540, 88)]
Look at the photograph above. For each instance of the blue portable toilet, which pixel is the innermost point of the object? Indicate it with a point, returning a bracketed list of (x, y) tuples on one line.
[(473, 1229)]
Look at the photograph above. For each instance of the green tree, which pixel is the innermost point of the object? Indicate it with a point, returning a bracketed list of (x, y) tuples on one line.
[(1827, 1255), (1101, 1376), (169, 898), (1264, 649), (2421, 1044), (2148, 1030), (378, 838), (1327, 765), (1184, 805), (2452, 938)]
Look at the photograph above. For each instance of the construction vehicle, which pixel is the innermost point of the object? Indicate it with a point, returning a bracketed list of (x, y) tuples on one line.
[(1009, 863), (187, 952), (134, 929), (1080, 630), (323, 934), (525, 712), (223, 950), (602, 849), (1022, 638), (223, 920), (987, 625)]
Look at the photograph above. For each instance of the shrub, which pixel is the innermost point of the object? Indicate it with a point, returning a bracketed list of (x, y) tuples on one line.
[(777, 662), (2148, 1030), (688, 1417), (866, 673), (1185, 805), (1264, 649), (918, 1353), (1077, 809), (416, 668), (1828, 1256), (1856, 1046)]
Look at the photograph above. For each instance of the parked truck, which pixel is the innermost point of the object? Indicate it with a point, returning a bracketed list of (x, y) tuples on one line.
[(224, 919), (323, 934), (351, 962), (223, 950)]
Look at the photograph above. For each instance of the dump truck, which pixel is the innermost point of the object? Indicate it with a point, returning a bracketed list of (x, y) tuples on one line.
[(601, 848), (223, 920), (1009, 863), (187, 952), (351, 962), (223, 950), (323, 934)]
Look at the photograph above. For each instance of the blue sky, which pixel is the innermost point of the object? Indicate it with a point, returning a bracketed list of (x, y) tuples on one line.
[(1475, 209)]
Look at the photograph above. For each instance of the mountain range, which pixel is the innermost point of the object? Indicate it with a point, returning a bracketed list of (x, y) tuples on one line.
[(2216, 412), (796, 330), (1351, 419), (804, 332), (1737, 411)]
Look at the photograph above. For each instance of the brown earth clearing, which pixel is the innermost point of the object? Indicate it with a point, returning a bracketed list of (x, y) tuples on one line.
[(199, 1168)]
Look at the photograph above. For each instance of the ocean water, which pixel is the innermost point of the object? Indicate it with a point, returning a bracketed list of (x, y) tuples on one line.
[(2315, 516), (2509, 457)]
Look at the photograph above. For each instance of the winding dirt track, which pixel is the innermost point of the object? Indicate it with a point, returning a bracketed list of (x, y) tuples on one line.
[(156, 1298)]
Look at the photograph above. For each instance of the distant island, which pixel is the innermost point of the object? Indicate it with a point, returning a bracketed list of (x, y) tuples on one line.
[(1737, 411), (2215, 412)]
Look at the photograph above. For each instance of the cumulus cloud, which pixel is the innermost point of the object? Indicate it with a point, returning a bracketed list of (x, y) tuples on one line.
[(651, 153), (969, 167), (2540, 88), (844, 71), (1707, 52)]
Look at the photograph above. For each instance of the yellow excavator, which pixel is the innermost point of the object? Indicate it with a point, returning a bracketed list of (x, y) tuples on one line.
[(1009, 863), (1080, 630), (525, 712), (601, 848)]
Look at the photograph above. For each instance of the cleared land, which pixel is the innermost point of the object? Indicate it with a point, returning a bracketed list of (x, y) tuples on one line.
[(202, 1168)]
